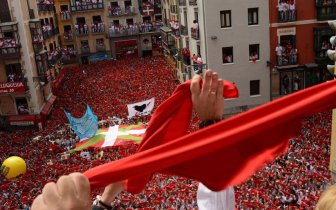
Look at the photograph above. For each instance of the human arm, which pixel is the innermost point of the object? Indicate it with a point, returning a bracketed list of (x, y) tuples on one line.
[(70, 192)]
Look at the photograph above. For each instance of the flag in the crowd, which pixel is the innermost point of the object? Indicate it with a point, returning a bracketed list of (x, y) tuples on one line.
[(140, 108), (86, 126), (113, 136)]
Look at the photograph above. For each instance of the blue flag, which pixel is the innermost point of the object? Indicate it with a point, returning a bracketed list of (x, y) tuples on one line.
[(86, 126)]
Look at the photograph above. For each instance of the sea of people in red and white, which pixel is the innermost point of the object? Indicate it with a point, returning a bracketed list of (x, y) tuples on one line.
[(292, 181)]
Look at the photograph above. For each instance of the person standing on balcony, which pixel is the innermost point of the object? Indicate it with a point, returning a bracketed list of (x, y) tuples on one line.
[(279, 51), (291, 10), (281, 11)]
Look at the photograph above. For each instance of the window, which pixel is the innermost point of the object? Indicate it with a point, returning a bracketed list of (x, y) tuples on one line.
[(227, 53), (253, 16), (254, 87), (225, 19), (254, 52)]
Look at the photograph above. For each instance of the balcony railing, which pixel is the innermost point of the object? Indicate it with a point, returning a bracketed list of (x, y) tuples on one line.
[(287, 16), (192, 2), (97, 29), (287, 60), (82, 32), (199, 68), (68, 36), (69, 60), (176, 32), (135, 30), (38, 47), (45, 7), (182, 3), (184, 31), (85, 7), (195, 33), (85, 50), (7, 53), (118, 11), (65, 15), (100, 48), (173, 9)]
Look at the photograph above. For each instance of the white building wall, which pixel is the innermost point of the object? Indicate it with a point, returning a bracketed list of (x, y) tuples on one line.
[(240, 36)]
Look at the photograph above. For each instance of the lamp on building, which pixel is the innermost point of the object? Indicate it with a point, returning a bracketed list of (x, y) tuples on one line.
[(332, 24), (213, 37)]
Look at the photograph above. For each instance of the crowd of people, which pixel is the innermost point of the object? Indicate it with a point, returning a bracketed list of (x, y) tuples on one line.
[(65, 15), (7, 43), (118, 11), (292, 180), (286, 54), (287, 10), (98, 27), (134, 28)]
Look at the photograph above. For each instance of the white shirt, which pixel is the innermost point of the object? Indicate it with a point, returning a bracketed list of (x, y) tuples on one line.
[(209, 200)]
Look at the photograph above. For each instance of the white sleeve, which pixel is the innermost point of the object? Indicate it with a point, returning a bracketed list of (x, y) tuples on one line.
[(209, 200)]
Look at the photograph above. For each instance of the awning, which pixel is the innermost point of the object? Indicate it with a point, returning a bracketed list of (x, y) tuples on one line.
[(22, 120), (47, 107)]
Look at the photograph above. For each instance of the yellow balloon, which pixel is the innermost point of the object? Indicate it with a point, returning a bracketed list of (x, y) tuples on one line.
[(13, 166)]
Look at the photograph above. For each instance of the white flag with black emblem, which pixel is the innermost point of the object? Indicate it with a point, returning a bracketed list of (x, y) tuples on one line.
[(140, 108)]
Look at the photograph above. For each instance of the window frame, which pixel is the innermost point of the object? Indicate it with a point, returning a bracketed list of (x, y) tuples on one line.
[(250, 13), (223, 14), (258, 51), (223, 49), (253, 92)]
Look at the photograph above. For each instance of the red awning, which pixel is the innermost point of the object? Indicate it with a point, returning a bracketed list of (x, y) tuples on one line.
[(22, 120), (126, 43), (47, 107)]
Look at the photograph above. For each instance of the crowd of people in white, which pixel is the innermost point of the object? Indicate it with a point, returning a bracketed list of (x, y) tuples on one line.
[(287, 10)]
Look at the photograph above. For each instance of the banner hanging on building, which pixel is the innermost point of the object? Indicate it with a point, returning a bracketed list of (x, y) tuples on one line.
[(12, 87)]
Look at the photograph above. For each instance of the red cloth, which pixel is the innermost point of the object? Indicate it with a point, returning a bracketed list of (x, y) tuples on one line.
[(220, 155)]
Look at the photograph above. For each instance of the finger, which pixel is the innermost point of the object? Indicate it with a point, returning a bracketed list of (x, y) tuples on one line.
[(50, 193), (214, 84), (195, 84), (220, 89), (207, 81), (82, 186), (66, 188), (38, 203)]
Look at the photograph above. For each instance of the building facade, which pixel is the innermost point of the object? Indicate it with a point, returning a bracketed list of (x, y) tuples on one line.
[(299, 36), (229, 37), (100, 29), (28, 39)]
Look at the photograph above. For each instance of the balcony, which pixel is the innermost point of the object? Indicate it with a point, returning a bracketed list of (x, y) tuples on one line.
[(288, 16), (195, 33), (182, 3), (157, 9), (86, 6), (326, 10), (82, 32), (9, 53), (184, 31), (65, 15), (176, 33), (98, 28), (49, 32), (68, 36), (69, 60), (192, 2), (85, 49), (199, 68), (100, 48), (132, 30), (45, 7), (118, 11), (287, 59), (173, 9), (322, 44)]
